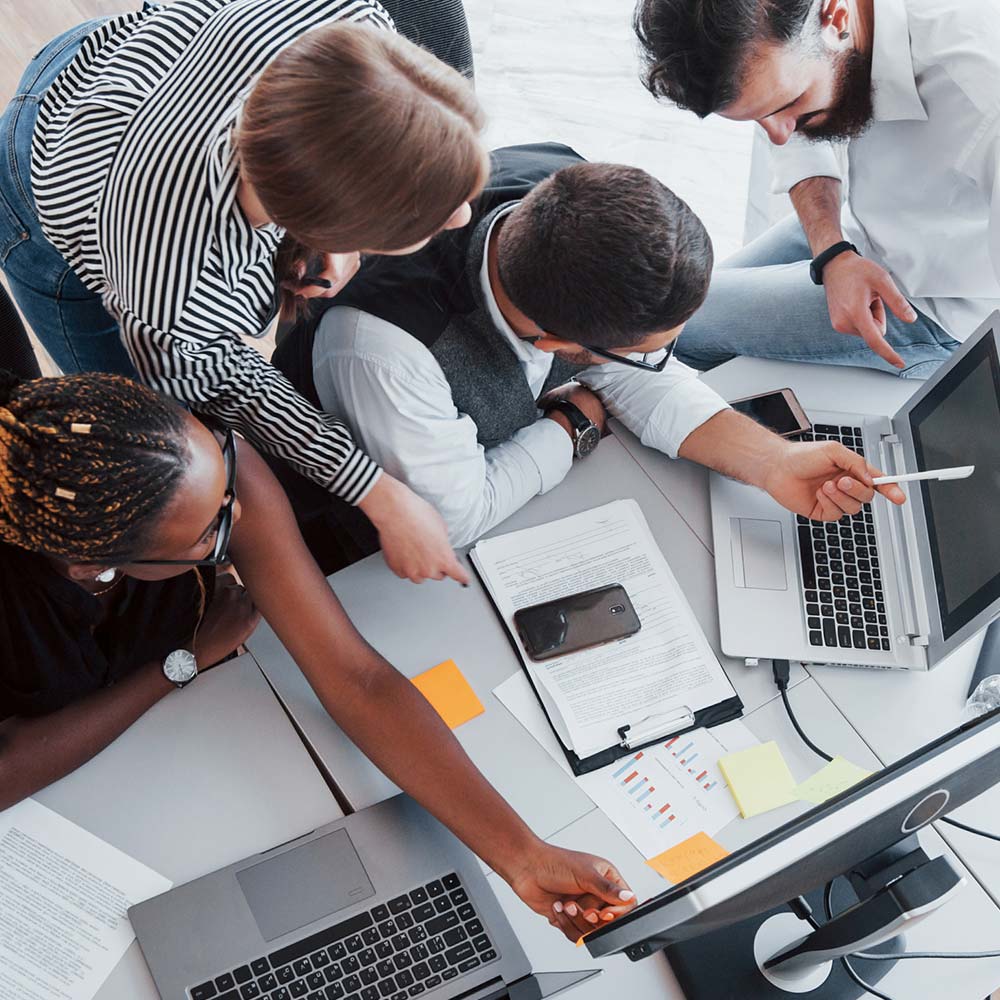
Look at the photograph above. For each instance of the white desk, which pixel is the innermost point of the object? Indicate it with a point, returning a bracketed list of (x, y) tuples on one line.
[(210, 775), (417, 627), (895, 712)]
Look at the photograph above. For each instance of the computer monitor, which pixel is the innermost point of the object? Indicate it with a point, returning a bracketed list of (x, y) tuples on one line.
[(867, 833)]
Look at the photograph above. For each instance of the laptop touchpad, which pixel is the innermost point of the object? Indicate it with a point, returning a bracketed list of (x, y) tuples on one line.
[(305, 884), (758, 554)]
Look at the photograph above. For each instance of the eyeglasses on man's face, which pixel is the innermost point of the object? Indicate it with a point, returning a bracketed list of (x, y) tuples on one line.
[(643, 364), (224, 522)]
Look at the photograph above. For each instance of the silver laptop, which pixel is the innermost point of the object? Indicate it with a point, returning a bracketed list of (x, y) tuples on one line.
[(384, 904), (892, 586)]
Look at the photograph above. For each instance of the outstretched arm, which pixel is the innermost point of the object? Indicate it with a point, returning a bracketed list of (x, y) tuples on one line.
[(820, 480), (361, 690)]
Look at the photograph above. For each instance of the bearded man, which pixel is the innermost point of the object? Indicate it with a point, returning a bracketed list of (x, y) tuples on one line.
[(884, 120)]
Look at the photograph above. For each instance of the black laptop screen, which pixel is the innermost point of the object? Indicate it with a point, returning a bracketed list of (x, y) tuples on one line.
[(959, 424)]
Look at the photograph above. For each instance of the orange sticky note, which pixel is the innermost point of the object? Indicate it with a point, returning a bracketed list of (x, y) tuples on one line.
[(688, 858), (450, 694)]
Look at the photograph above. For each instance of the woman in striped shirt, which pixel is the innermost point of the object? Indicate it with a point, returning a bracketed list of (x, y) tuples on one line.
[(156, 161)]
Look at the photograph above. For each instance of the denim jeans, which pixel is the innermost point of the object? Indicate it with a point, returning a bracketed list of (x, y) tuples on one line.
[(66, 316), (762, 304)]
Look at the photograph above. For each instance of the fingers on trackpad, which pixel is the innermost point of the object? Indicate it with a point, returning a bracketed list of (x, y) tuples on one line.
[(758, 554)]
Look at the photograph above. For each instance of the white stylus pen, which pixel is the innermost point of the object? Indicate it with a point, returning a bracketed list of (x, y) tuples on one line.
[(961, 472)]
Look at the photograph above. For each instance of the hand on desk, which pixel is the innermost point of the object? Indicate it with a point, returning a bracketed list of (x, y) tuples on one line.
[(806, 478), (568, 887)]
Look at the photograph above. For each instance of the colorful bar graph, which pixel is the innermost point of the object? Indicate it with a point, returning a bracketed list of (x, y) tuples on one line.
[(683, 750), (690, 759), (634, 774), (637, 786), (646, 794), (701, 777), (708, 788), (663, 809), (670, 743), (624, 767), (668, 821)]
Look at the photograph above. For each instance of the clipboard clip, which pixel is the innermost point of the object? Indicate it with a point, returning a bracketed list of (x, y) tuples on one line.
[(654, 726)]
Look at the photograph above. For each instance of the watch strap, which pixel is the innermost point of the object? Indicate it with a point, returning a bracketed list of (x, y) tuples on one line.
[(820, 261), (578, 420)]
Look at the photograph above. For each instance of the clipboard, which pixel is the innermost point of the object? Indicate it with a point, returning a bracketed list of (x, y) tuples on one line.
[(631, 741)]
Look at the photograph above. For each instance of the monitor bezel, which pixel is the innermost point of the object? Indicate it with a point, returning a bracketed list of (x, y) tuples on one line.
[(940, 647), (802, 838)]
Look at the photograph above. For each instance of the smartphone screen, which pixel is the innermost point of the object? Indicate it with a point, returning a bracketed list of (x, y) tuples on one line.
[(773, 410), (576, 621)]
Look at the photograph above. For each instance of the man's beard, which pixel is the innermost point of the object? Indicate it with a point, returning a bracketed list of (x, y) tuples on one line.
[(853, 108)]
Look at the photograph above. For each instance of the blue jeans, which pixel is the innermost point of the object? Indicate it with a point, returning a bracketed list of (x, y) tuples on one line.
[(65, 315), (762, 304)]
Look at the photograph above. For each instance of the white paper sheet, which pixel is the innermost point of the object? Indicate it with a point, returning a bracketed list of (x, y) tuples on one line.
[(64, 894), (657, 797), (664, 668)]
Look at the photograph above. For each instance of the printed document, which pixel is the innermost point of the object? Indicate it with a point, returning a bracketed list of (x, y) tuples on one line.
[(663, 671), (658, 797), (64, 894)]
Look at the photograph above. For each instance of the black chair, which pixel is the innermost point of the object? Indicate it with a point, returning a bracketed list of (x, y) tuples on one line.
[(437, 25), (16, 352)]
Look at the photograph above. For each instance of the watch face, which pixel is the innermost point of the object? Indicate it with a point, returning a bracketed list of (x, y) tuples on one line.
[(180, 666), (588, 440)]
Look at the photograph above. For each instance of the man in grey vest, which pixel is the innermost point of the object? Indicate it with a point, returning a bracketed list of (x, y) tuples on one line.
[(477, 370)]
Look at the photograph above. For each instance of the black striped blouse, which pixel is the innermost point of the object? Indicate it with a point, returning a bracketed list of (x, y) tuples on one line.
[(135, 178)]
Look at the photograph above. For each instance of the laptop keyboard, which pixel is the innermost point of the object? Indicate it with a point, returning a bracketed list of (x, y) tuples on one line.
[(841, 570), (394, 951)]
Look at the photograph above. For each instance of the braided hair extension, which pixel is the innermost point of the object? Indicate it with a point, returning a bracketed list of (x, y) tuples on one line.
[(86, 463)]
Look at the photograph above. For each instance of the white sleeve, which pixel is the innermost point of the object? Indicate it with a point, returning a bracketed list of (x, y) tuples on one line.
[(800, 159), (661, 409), (388, 387), (983, 166)]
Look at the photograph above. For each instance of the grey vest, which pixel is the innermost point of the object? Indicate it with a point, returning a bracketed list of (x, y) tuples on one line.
[(485, 375)]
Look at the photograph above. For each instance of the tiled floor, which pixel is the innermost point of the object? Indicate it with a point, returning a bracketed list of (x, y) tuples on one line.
[(546, 69)]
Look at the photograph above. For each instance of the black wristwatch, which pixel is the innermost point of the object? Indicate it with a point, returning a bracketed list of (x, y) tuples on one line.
[(586, 434), (821, 260)]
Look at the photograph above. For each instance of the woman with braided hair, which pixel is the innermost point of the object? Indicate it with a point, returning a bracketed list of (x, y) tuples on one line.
[(115, 507)]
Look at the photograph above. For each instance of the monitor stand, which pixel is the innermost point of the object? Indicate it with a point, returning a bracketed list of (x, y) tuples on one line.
[(780, 955)]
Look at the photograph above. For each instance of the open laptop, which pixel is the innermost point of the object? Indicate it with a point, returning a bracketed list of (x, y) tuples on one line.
[(384, 904), (892, 586)]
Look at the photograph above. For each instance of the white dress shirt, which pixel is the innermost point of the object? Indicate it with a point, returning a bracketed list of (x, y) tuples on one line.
[(390, 389), (921, 184)]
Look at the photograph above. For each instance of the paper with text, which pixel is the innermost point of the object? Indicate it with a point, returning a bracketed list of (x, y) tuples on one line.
[(657, 797), (64, 895), (663, 669)]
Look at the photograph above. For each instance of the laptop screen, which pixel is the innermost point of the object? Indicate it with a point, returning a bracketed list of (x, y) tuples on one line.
[(959, 424)]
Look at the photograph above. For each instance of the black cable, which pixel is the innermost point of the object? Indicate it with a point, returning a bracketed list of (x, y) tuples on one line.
[(969, 829), (781, 671), (870, 957)]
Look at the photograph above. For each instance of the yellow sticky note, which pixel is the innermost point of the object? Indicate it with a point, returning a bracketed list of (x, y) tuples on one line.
[(758, 778), (688, 858), (838, 775), (449, 692)]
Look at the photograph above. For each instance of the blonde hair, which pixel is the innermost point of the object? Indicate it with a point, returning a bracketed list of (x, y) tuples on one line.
[(354, 138)]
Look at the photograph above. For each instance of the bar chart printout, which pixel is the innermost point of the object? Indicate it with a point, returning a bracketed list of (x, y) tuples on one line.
[(666, 793)]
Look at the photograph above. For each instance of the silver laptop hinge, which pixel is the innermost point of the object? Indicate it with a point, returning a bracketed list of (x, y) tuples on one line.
[(892, 459)]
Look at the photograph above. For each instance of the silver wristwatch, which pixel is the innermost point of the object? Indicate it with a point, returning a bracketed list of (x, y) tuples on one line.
[(180, 667)]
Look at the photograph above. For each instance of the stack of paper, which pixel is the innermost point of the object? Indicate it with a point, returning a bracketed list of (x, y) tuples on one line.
[(665, 669)]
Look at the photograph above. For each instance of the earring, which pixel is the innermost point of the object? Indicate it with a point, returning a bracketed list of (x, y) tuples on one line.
[(107, 576), (844, 35)]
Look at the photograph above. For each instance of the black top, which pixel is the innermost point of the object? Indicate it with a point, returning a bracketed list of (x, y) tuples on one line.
[(52, 652)]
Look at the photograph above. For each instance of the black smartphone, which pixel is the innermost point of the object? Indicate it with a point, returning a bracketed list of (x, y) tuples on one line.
[(778, 410), (576, 621)]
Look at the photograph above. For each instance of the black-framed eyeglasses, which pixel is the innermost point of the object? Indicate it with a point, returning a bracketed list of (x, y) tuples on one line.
[(224, 523), (643, 365)]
